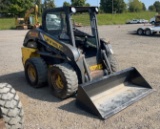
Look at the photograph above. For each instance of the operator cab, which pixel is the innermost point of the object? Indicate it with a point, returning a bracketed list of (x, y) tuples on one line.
[(65, 24), (55, 23)]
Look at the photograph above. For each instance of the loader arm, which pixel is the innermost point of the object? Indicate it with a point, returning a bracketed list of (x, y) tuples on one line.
[(29, 12)]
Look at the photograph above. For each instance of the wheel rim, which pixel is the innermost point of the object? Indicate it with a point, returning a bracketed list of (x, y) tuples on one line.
[(140, 32), (32, 73), (148, 32), (57, 81)]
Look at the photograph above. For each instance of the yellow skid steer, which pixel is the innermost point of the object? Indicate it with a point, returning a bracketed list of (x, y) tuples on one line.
[(74, 60)]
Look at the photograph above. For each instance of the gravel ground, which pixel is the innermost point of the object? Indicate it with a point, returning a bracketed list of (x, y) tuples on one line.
[(43, 111)]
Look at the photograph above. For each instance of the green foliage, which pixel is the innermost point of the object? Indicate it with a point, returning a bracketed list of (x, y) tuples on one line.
[(135, 6), (152, 8), (78, 2), (48, 4), (110, 6), (157, 6), (19, 7), (106, 6), (87, 5), (144, 7), (15, 7), (4, 6), (66, 3)]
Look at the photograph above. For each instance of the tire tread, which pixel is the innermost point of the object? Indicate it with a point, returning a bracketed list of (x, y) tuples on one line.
[(11, 107)]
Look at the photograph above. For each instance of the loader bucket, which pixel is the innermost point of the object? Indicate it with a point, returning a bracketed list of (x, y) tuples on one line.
[(109, 95)]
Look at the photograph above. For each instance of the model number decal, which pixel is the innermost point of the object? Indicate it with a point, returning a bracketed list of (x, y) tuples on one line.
[(53, 43), (96, 67)]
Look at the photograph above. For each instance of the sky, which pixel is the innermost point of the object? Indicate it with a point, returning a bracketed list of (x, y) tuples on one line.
[(96, 2)]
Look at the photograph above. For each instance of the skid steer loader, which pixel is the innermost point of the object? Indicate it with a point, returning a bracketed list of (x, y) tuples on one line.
[(74, 60)]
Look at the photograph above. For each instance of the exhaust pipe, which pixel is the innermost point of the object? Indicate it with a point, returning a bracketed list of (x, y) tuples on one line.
[(109, 95)]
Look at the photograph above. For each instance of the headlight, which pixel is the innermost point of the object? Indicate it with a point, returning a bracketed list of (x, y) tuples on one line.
[(96, 9), (73, 10), (110, 48)]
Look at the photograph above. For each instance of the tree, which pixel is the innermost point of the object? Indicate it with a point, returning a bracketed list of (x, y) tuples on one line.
[(117, 6), (106, 6), (143, 7), (4, 6), (152, 8), (87, 5), (78, 2), (66, 3), (19, 7), (49, 4), (15, 7), (135, 6), (157, 6)]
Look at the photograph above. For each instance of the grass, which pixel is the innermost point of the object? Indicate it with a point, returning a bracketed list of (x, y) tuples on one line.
[(103, 19), (7, 23), (112, 19)]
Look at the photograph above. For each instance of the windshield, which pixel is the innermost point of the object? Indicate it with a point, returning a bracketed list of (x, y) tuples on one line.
[(53, 21), (56, 25), (82, 28)]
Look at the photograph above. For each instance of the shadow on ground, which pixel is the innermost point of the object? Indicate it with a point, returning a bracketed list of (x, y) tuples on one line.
[(73, 107), (19, 83)]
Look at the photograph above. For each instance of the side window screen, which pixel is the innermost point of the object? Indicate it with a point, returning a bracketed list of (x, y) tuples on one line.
[(53, 21), (56, 25)]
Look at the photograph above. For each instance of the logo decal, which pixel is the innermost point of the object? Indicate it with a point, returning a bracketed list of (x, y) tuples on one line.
[(53, 43)]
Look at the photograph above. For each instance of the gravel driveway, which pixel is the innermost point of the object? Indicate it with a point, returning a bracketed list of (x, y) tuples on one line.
[(43, 111)]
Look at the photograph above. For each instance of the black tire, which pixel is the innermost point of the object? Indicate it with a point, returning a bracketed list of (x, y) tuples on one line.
[(11, 107), (140, 31), (113, 62), (154, 33), (68, 80), (148, 32), (36, 72)]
